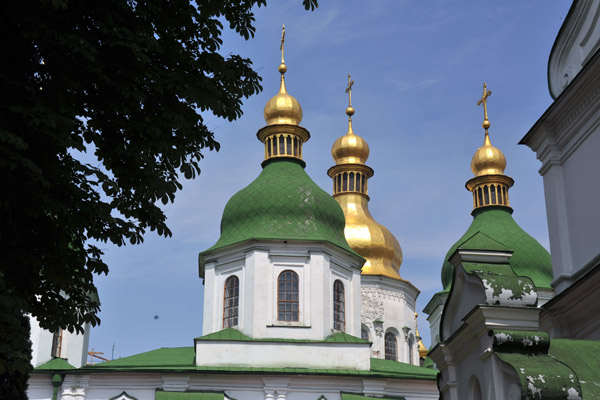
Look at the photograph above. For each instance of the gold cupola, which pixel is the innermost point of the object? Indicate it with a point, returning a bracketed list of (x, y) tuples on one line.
[(420, 345), (350, 177), (490, 185), (283, 136)]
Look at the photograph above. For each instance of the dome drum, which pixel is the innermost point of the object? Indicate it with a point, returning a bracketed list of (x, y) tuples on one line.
[(350, 178), (283, 140), (490, 190)]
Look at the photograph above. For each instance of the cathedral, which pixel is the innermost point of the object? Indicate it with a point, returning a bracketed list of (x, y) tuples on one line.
[(303, 293)]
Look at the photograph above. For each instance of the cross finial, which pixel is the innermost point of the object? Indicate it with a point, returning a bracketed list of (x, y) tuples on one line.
[(282, 41), (349, 90), (483, 100)]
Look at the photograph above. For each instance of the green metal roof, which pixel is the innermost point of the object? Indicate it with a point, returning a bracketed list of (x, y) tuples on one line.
[(56, 364), (529, 258), (162, 395), (282, 203), (181, 360), (583, 356), (551, 368), (481, 241), (232, 334)]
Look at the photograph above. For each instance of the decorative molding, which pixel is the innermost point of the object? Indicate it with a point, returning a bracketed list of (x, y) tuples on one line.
[(175, 383), (123, 396)]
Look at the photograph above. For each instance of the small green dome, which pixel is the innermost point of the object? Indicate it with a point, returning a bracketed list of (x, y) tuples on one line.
[(529, 258), (282, 203)]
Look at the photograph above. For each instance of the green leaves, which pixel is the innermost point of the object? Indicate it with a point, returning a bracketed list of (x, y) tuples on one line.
[(122, 83)]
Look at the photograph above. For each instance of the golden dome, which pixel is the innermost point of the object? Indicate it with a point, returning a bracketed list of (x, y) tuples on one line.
[(283, 109), (350, 148), (370, 239), (488, 160)]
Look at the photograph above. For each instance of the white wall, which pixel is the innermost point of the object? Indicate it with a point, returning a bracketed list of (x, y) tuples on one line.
[(258, 265), (393, 302), (74, 345)]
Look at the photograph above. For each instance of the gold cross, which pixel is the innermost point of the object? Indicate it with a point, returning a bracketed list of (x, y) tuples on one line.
[(486, 94), (349, 90), (282, 41)]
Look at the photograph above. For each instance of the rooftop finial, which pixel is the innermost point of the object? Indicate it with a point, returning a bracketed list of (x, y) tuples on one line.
[(350, 110), (483, 100), (282, 67)]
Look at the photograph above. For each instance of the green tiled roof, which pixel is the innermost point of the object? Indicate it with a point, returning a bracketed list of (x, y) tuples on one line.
[(56, 364), (165, 357), (481, 241), (551, 368), (232, 334), (282, 203), (583, 358), (502, 280), (529, 258), (162, 395), (181, 359)]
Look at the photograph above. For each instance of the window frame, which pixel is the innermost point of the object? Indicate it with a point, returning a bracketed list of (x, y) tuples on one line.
[(57, 345), (235, 318), (290, 301), (339, 306), (387, 346)]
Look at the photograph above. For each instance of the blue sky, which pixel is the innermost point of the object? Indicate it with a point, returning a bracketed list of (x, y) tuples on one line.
[(419, 69)]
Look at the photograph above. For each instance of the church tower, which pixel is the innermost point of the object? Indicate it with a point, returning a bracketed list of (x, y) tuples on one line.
[(282, 268), (492, 216), (388, 301)]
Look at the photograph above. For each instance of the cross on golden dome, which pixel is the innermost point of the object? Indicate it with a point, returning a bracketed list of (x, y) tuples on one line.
[(282, 42), (483, 100)]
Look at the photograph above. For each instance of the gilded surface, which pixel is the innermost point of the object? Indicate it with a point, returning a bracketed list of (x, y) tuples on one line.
[(283, 109), (488, 162), (370, 239), (367, 237)]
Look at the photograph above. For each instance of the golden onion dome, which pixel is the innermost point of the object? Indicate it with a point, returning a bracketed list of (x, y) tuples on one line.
[(488, 160), (370, 239), (350, 148), (350, 174), (283, 109)]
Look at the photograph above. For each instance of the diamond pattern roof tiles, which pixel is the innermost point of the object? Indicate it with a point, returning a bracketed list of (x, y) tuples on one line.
[(282, 203), (529, 258)]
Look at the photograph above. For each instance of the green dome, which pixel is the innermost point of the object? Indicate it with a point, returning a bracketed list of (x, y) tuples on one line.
[(282, 203), (529, 258)]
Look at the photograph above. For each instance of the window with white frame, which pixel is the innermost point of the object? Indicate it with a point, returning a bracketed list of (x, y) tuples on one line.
[(231, 299), (288, 297), (339, 306), (391, 346)]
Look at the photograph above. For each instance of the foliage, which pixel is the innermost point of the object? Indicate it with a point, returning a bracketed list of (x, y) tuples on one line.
[(126, 81)]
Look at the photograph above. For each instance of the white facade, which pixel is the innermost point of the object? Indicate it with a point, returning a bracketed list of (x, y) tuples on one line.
[(388, 306), (73, 346), (566, 140), (258, 266), (248, 387)]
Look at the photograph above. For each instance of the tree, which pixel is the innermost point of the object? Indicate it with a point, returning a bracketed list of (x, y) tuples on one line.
[(125, 81)]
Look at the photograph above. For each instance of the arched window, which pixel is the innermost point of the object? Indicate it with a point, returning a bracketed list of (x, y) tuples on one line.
[(231, 300), (57, 343), (411, 342), (391, 347), (339, 306), (364, 333), (287, 296)]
